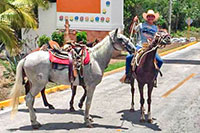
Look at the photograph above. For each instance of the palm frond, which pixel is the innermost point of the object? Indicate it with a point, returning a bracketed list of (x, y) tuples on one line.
[(7, 36), (23, 18), (38, 3)]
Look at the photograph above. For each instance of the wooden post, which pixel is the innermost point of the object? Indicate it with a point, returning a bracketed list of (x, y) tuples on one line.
[(66, 34)]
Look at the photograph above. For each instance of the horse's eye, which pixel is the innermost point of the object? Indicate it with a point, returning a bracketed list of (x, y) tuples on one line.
[(120, 39)]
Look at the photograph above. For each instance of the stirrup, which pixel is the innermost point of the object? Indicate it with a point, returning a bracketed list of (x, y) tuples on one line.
[(127, 80)]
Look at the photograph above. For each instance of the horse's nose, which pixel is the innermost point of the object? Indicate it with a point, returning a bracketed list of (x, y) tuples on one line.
[(169, 40)]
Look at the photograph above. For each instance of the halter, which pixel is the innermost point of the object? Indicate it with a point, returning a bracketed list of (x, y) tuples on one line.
[(125, 45), (112, 42)]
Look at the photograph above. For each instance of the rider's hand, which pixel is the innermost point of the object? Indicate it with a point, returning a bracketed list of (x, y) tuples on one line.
[(135, 19)]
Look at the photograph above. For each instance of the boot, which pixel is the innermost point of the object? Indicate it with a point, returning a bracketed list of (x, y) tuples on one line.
[(155, 83), (126, 79), (155, 80), (122, 80)]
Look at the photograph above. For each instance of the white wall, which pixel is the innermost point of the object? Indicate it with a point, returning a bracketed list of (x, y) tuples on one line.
[(114, 12), (47, 20)]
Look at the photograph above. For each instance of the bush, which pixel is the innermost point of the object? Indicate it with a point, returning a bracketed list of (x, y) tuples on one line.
[(58, 37), (43, 40), (81, 36), (179, 34), (194, 29)]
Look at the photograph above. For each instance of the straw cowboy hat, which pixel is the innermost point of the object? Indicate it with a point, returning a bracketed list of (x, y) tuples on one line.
[(150, 12)]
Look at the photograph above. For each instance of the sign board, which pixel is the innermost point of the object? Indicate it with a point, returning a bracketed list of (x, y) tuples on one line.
[(90, 14), (189, 21)]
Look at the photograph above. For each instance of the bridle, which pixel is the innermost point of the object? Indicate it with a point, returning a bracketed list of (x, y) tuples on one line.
[(161, 39), (124, 44)]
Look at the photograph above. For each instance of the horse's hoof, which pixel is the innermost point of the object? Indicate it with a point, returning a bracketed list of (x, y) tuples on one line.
[(132, 110), (142, 120), (80, 105), (71, 109), (150, 121), (37, 126), (89, 126), (51, 107)]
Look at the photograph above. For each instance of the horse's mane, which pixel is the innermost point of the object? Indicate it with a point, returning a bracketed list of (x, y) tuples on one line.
[(102, 42)]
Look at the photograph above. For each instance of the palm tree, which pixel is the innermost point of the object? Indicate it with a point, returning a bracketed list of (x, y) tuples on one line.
[(14, 15)]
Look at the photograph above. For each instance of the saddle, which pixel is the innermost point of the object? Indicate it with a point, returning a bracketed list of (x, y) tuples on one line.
[(75, 56), (134, 62)]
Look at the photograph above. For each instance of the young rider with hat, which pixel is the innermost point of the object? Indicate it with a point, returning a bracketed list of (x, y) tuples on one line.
[(146, 32)]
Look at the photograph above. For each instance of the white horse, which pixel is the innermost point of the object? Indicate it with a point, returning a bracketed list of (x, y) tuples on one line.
[(39, 71)]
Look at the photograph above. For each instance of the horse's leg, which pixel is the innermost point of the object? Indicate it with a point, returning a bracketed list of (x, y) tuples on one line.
[(29, 102), (46, 103), (83, 97), (90, 92), (150, 88), (142, 118), (72, 98), (27, 87), (132, 92)]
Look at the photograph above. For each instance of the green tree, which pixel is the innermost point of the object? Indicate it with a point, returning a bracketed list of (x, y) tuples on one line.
[(14, 15), (181, 10)]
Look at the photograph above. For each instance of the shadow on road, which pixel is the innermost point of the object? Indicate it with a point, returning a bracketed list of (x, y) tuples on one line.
[(134, 118), (181, 61), (64, 126), (59, 111)]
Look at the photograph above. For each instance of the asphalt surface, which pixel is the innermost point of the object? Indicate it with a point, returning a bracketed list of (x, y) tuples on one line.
[(175, 111)]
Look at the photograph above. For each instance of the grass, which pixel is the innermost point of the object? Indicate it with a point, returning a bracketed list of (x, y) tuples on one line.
[(114, 66)]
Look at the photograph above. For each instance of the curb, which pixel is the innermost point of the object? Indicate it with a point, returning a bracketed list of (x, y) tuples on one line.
[(178, 48), (6, 103)]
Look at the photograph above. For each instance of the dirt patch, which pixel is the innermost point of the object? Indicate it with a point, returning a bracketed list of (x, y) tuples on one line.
[(5, 87)]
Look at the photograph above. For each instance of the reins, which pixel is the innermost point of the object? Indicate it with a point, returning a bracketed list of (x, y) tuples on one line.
[(152, 49), (136, 61)]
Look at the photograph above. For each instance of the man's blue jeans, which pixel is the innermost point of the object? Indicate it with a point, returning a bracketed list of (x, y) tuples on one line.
[(130, 57)]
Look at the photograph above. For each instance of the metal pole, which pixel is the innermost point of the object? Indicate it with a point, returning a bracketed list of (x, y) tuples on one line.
[(170, 16)]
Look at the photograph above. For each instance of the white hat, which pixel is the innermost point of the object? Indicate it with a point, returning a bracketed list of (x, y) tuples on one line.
[(151, 12)]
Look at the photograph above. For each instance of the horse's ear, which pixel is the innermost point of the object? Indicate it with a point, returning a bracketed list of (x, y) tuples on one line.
[(116, 31)]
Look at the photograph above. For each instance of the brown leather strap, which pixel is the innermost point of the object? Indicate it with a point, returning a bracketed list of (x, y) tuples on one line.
[(71, 72)]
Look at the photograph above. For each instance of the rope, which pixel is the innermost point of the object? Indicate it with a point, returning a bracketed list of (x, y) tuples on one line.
[(137, 63)]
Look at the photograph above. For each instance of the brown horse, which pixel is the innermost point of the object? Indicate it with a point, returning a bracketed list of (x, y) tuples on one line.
[(145, 71)]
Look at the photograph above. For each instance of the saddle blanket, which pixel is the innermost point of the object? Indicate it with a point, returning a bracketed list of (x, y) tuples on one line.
[(57, 60)]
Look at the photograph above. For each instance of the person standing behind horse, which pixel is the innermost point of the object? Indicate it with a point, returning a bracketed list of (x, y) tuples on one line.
[(146, 32)]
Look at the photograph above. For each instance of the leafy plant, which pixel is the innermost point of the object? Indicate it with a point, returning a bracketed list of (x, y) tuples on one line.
[(10, 69), (81, 37), (58, 37), (14, 15), (43, 40), (194, 29)]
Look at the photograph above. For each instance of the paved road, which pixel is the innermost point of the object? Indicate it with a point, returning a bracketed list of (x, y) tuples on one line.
[(178, 111)]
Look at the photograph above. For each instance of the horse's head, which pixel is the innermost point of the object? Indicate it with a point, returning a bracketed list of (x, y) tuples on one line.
[(162, 38), (121, 42)]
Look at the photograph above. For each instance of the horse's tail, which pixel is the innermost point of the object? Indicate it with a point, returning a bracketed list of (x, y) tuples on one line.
[(15, 92)]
